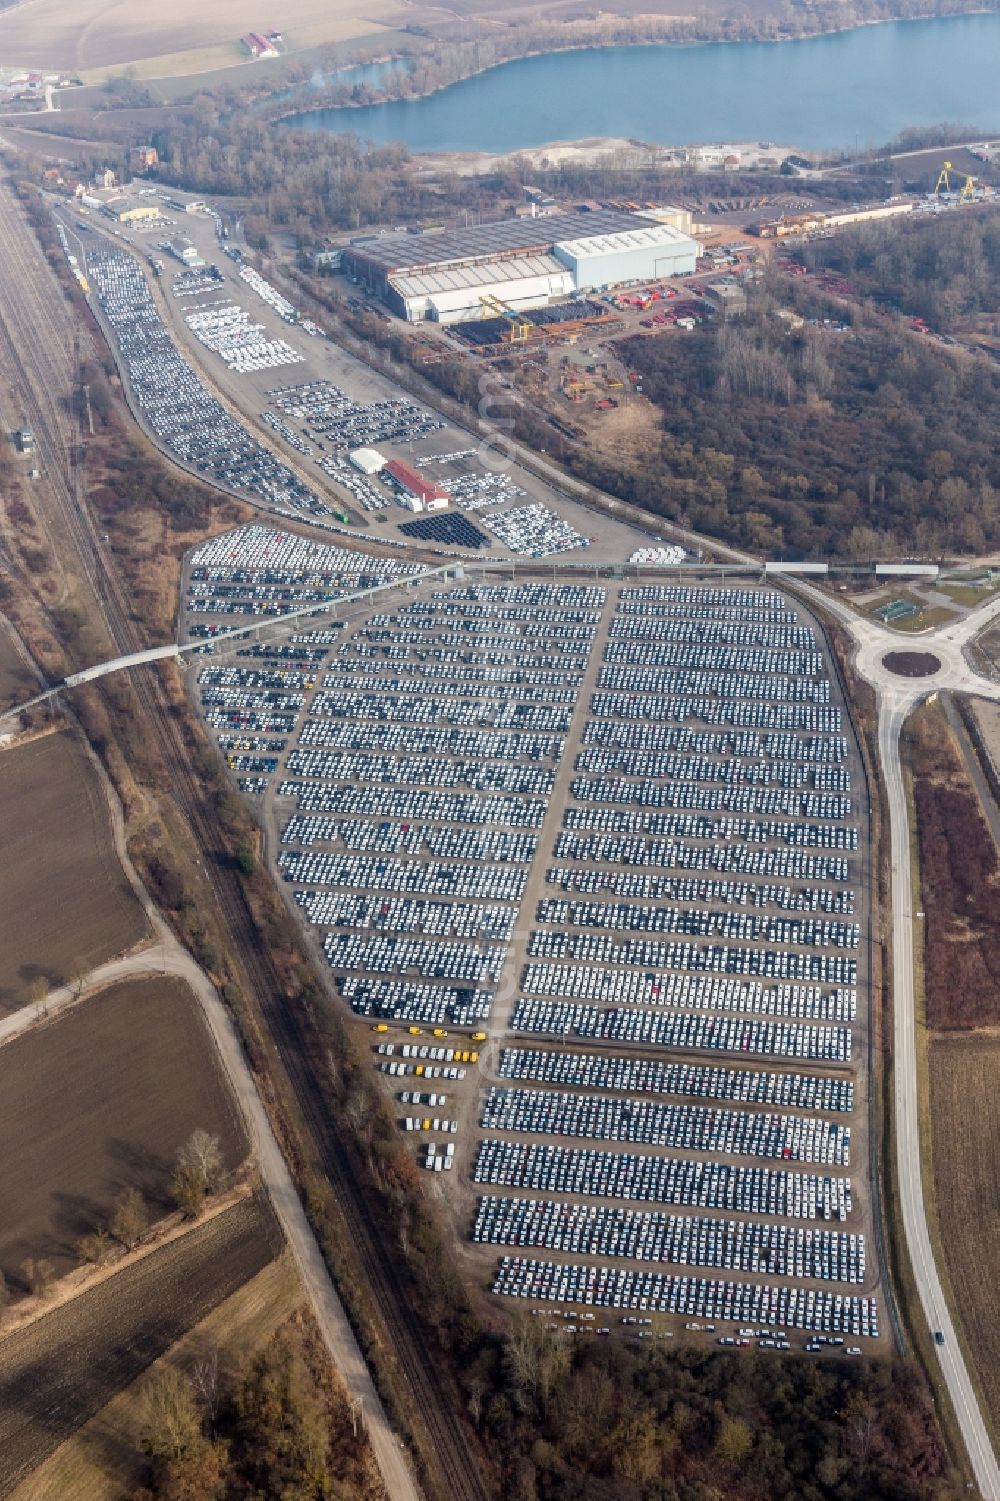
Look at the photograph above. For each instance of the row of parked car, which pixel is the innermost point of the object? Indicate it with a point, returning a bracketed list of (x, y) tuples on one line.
[(672, 1029), (658, 1076), (697, 602), (613, 1287), (690, 1128), (414, 676), (666, 679), (432, 919), (496, 710), (697, 992), (446, 841), (589, 1172), (666, 656), (628, 631), (416, 1000), (440, 740), (767, 801), (635, 761), (621, 917), (736, 855), (683, 1240), (382, 954), (420, 771), (774, 745), (589, 881), (769, 712), (467, 808), (178, 408), (483, 881), (714, 831), (823, 969)]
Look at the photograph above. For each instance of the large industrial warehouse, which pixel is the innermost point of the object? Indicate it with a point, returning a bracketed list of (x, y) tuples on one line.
[(447, 276)]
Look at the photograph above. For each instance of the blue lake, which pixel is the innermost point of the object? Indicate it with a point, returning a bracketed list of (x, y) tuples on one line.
[(830, 91)]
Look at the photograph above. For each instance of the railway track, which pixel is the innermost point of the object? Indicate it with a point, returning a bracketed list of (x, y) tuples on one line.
[(33, 326)]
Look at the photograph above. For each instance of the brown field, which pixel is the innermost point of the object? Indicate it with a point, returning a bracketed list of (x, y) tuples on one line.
[(99, 1101), (58, 1372), (66, 905), (102, 1461), (965, 1127), (17, 682), (959, 881), (97, 34)]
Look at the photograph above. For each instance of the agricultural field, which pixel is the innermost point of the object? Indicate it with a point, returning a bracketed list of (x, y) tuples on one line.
[(965, 1126), (102, 1462), (66, 903), (59, 1371), (100, 34), (100, 1101), (959, 880)]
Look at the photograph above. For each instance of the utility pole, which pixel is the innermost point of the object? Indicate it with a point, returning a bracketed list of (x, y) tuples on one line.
[(357, 1412)]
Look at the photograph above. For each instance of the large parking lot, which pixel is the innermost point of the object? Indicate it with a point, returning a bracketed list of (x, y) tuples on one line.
[(616, 832), (176, 405)]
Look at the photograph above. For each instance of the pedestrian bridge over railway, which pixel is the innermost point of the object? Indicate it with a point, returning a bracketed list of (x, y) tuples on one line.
[(325, 609)]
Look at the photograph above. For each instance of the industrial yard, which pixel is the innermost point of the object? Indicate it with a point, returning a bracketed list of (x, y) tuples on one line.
[(233, 382), (588, 862)]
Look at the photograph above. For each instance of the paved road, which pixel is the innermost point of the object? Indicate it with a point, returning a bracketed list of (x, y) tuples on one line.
[(896, 698)]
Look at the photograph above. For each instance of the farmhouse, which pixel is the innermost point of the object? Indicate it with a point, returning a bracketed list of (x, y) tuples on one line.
[(259, 45)]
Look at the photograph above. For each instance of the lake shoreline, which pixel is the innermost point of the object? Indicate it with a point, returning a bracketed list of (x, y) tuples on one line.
[(758, 37)]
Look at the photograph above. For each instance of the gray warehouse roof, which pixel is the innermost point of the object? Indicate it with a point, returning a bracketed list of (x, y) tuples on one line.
[(641, 237), (412, 252), (486, 274)]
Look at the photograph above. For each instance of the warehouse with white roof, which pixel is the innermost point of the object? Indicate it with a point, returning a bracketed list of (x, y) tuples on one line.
[(640, 254), (449, 276)]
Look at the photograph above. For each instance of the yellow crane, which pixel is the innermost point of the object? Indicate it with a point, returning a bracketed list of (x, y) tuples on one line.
[(943, 184), (520, 328)]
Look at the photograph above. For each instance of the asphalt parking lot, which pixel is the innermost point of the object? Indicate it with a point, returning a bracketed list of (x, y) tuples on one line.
[(654, 924)]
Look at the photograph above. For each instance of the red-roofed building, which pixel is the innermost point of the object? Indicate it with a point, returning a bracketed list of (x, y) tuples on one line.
[(414, 483), (258, 45)]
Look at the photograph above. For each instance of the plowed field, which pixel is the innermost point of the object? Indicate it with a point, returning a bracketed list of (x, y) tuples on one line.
[(99, 1101), (65, 905), (59, 1371)]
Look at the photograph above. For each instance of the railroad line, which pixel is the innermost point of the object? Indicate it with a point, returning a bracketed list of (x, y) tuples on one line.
[(450, 1446)]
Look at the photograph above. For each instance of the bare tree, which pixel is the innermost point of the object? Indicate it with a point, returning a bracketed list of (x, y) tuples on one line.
[(170, 1424), (206, 1386), (95, 1246), (200, 1171), (38, 995), (39, 1274), (130, 1220), (202, 1155)]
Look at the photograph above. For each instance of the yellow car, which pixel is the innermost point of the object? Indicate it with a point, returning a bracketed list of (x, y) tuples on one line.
[(479, 1036), (415, 1031), (380, 1027), (440, 1032), (473, 1056)]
